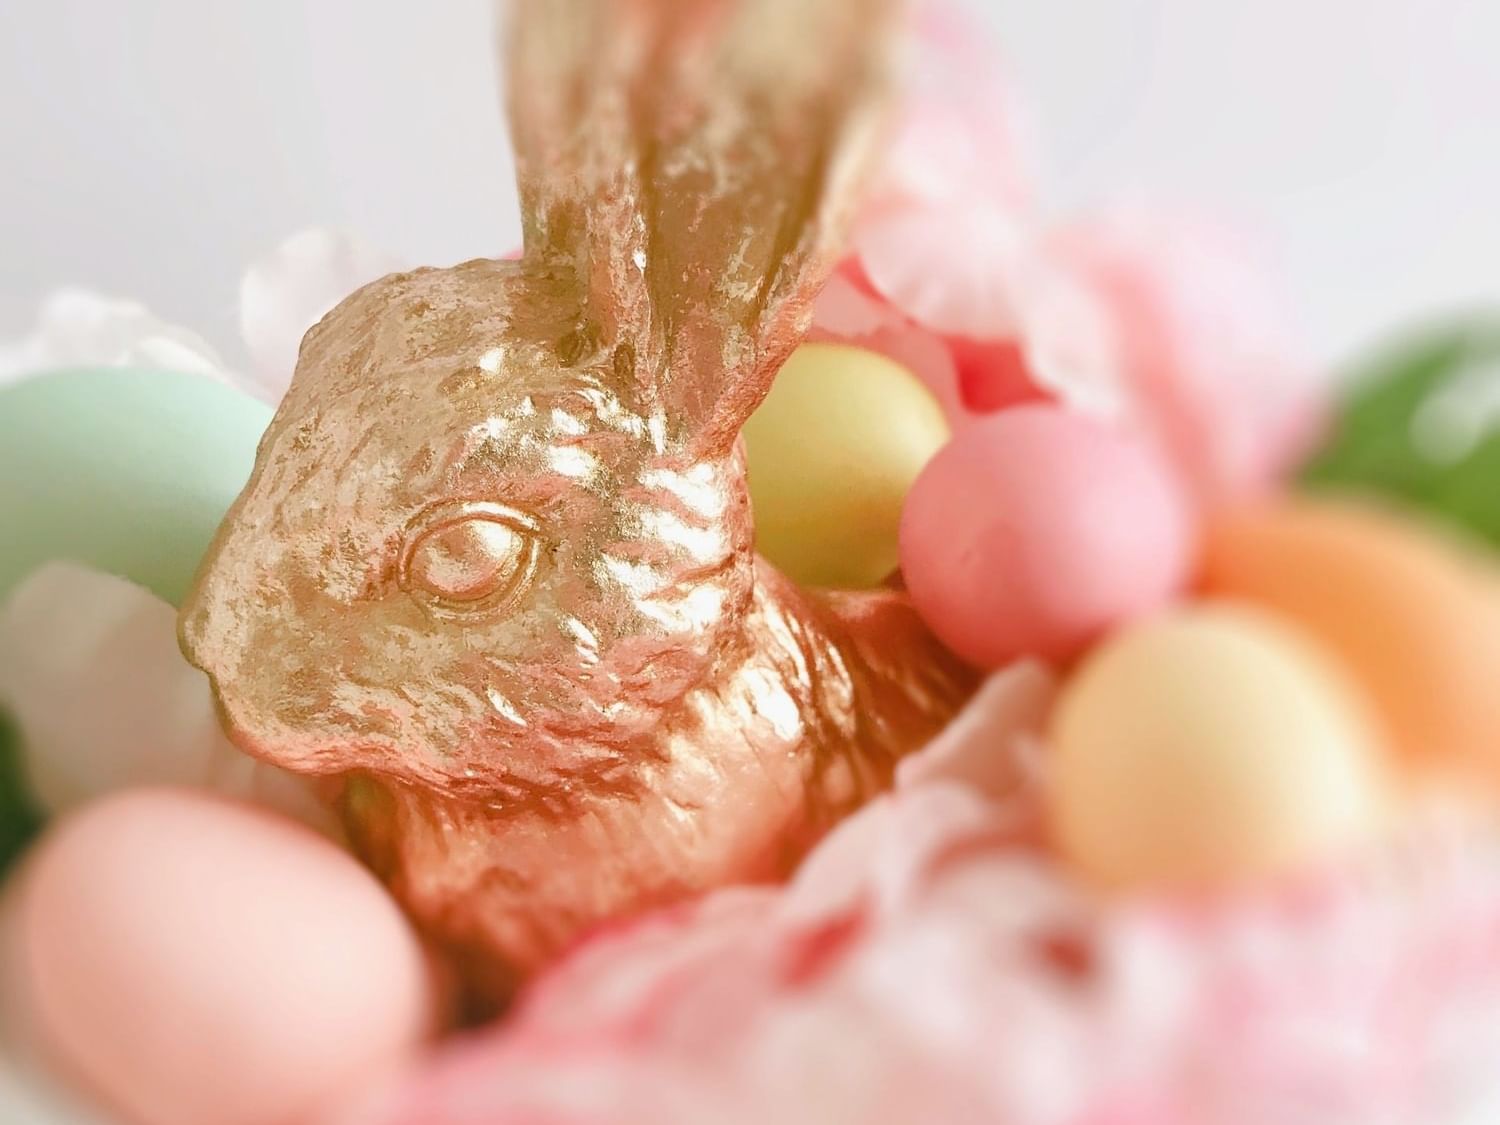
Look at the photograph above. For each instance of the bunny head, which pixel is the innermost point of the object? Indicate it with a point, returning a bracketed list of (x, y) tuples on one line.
[(500, 520)]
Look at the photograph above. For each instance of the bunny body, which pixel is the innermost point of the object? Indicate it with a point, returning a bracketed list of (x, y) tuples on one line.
[(495, 562), (803, 722)]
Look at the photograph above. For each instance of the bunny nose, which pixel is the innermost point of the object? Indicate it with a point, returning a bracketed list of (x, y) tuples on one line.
[(193, 624), (210, 625)]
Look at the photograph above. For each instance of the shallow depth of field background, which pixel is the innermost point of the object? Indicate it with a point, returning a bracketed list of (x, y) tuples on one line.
[(151, 148)]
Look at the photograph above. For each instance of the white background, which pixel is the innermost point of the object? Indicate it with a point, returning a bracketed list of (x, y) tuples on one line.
[(151, 147)]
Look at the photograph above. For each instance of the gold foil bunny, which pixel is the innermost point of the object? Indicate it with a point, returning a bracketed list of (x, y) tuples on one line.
[(494, 568)]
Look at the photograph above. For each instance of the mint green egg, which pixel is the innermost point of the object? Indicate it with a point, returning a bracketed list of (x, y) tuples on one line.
[(125, 470)]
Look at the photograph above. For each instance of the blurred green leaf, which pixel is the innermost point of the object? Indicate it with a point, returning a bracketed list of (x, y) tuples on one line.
[(19, 819), (1420, 424)]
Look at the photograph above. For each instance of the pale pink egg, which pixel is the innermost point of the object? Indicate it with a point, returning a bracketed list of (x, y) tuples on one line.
[(192, 959), (1036, 530)]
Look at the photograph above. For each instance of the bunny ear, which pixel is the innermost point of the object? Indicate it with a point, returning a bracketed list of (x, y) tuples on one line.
[(695, 163)]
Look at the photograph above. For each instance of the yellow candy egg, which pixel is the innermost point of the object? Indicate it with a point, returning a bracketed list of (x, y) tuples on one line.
[(1213, 743), (833, 451)]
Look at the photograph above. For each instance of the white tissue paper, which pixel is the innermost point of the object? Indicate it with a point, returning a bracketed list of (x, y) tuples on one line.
[(289, 290), (81, 328), (90, 668)]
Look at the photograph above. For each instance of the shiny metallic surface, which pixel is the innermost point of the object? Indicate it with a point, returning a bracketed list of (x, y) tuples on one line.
[(495, 564)]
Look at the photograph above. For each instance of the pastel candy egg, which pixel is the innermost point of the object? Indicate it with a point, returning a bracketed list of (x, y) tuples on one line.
[(1421, 424), (92, 673), (30, 1092), (1036, 530), (1413, 615), (832, 452), (190, 959), (1211, 743), (129, 471)]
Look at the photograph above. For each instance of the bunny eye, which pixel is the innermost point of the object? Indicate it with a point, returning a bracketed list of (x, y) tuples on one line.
[(473, 556)]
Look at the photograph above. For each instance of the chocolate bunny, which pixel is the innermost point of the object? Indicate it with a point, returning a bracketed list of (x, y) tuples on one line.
[(494, 568)]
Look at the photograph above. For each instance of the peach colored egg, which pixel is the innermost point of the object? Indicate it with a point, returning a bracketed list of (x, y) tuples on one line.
[(1036, 530), (194, 960), (1413, 615), (1214, 742)]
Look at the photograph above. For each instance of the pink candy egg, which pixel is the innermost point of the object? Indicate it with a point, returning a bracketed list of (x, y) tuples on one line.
[(191, 959), (1034, 531)]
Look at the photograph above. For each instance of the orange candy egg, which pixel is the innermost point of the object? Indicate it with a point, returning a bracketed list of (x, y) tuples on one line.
[(1412, 614)]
